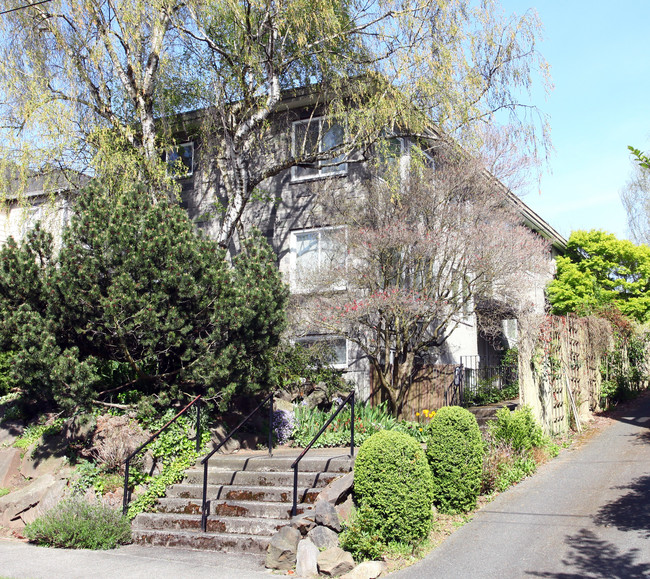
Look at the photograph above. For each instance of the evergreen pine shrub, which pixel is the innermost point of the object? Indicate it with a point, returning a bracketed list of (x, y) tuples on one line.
[(455, 453), (392, 485)]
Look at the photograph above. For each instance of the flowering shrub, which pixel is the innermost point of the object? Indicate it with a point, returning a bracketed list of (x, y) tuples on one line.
[(284, 423)]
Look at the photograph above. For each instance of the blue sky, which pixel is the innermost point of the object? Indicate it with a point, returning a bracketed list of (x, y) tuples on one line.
[(599, 54)]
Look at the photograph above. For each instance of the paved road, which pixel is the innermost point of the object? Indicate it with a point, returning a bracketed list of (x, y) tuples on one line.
[(585, 514)]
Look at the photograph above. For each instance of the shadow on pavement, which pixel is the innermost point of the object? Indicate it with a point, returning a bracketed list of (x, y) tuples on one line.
[(631, 511), (594, 558)]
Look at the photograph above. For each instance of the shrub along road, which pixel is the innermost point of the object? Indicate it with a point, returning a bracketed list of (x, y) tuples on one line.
[(584, 514)]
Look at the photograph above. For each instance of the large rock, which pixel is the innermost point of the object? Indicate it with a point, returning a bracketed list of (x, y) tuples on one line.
[(366, 570), (307, 559), (16, 504), (283, 549), (9, 466), (344, 510), (335, 561), (52, 497), (9, 431), (338, 490), (281, 404), (304, 522), (80, 428), (323, 537), (219, 435), (326, 515), (48, 456)]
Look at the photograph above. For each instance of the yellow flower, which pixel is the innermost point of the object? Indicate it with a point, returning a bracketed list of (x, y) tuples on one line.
[(417, 414), (420, 430)]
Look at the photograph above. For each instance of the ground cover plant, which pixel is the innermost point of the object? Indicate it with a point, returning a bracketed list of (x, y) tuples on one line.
[(77, 524), (393, 488)]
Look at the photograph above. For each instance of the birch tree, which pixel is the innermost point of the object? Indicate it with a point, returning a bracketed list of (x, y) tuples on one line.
[(82, 85), (374, 67)]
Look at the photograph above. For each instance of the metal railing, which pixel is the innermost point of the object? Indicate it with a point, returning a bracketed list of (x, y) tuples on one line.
[(205, 505), (294, 465), (127, 461)]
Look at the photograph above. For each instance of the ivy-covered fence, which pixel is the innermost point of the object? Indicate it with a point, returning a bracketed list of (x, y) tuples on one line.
[(578, 365)]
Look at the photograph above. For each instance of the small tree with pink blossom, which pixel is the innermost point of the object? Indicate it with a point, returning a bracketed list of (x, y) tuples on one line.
[(423, 249)]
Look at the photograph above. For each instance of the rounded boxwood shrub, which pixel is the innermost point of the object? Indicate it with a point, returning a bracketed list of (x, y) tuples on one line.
[(392, 485), (455, 452)]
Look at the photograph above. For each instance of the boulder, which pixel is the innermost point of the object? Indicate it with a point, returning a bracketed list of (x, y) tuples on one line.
[(344, 510), (9, 431), (52, 497), (280, 404), (304, 522), (17, 503), (338, 490), (366, 570), (326, 516), (80, 428), (335, 561), (283, 549), (219, 434), (9, 466), (323, 537), (307, 559)]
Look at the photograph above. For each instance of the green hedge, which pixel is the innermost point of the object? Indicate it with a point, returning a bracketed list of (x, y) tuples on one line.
[(392, 485), (455, 452)]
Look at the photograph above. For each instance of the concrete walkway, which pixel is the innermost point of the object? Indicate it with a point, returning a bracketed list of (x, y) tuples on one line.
[(584, 514), (20, 560)]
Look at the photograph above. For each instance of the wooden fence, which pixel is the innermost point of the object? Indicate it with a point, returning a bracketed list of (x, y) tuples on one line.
[(431, 388)]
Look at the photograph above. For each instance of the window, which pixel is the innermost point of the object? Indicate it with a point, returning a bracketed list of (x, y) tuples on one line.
[(316, 136), (30, 217), (336, 346), (318, 259), (181, 159), (397, 157)]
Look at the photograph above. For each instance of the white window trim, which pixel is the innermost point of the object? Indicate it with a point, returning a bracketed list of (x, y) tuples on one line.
[(334, 170), (189, 144), (313, 338), (294, 285)]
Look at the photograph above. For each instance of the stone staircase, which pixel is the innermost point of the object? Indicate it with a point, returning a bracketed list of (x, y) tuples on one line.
[(485, 414), (250, 499)]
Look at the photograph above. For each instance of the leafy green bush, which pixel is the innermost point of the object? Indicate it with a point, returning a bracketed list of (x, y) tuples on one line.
[(504, 466), (455, 453), (392, 484), (77, 524), (361, 536), (518, 428)]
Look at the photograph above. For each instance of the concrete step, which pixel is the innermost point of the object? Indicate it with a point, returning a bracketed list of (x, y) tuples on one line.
[(243, 493), (246, 508), (264, 463), (215, 523), (218, 476), (228, 542)]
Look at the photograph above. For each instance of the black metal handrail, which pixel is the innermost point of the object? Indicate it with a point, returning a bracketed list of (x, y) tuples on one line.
[(205, 505), (125, 501), (294, 465)]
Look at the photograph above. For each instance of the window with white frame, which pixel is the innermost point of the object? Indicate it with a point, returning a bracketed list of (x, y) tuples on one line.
[(336, 347), (316, 137), (399, 156), (318, 258), (31, 216), (181, 159)]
